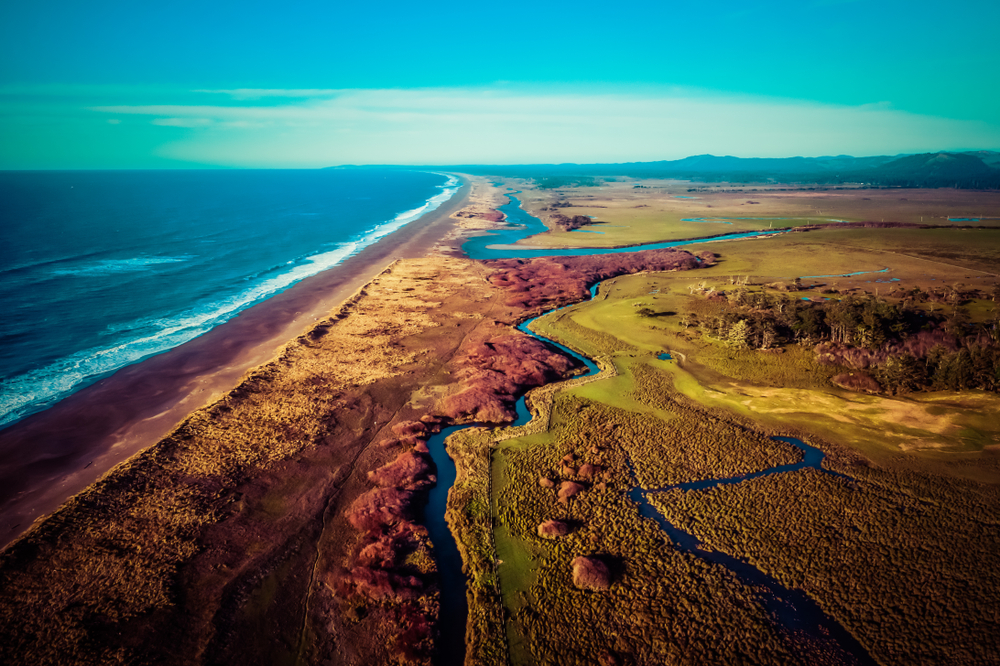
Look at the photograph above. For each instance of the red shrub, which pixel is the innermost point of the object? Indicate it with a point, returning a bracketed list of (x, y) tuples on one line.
[(552, 529), (569, 489), (379, 508), (591, 573), (545, 282), (409, 471), (381, 584), (409, 428)]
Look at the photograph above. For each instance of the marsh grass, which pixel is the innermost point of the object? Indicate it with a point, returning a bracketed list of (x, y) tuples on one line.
[(655, 213), (905, 560), (663, 606)]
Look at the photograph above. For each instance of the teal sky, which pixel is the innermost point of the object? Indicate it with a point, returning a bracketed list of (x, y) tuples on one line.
[(107, 84)]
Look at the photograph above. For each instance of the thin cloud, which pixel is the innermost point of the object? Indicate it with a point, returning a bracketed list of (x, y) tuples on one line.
[(503, 125), (182, 122), (261, 93)]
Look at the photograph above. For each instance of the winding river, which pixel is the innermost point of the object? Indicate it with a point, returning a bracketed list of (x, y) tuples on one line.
[(500, 243), (790, 608)]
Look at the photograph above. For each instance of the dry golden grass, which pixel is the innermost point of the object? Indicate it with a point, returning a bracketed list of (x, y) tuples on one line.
[(155, 545)]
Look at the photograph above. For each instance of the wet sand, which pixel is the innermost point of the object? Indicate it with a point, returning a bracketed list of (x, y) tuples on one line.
[(50, 456)]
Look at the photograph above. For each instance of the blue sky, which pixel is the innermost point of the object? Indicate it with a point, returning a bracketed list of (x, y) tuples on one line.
[(301, 84)]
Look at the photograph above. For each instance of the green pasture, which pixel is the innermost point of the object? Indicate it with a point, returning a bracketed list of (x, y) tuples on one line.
[(917, 255), (518, 558), (784, 390), (629, 226), (630, 216)]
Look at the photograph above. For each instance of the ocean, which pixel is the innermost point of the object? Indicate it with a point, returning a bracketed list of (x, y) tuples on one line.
[(101, 269)]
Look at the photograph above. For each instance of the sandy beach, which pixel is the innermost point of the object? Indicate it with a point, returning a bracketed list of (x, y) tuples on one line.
[(51, 456)]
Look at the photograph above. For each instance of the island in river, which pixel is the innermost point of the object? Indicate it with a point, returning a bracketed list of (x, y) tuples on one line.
[(653, 512)]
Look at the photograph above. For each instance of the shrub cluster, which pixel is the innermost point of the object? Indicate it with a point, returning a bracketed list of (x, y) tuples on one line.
[(382, 566), (544, 283), (901, 346), (493, 371)]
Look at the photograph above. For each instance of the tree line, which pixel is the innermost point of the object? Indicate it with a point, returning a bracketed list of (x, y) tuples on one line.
[(916, 341)]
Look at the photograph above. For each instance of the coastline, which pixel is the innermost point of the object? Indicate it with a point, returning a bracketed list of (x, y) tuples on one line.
[(278, 524), (51, 456)]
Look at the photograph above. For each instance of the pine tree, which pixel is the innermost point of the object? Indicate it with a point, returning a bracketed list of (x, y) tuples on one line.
[(739, 334)]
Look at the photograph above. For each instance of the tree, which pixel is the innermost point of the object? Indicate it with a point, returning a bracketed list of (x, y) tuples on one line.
[(957, 323), (739, 334), (901, 373), (768, 335), (954, 371)]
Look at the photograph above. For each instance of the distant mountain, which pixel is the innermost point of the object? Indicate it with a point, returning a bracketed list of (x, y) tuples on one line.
[(968, 170), (989, 157), (728, 164), (936, 170)]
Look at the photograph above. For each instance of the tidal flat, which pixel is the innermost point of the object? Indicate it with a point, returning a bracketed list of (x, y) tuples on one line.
[(282, 523)]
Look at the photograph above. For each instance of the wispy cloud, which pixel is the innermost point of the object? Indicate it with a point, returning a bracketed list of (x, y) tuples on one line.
[(260, 93), (502, 124), (182, 122)]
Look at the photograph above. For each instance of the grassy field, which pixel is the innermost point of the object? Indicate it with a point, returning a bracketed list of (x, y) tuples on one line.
[(663, 606), (790, 388), (926, 465), (666, 210)]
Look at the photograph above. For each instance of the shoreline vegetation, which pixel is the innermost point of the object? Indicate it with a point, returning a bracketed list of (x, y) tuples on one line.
[(279, 522)]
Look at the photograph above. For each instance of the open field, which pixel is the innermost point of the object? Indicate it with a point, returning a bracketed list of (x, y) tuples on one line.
[(666, 210), (662, 605), (925, 464), (791, 388)]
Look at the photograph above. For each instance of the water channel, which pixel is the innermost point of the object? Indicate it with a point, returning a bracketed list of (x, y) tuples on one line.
[(501, 243), (790, 608)]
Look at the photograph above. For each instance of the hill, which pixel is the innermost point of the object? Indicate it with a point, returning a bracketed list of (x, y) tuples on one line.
[(963, 170)]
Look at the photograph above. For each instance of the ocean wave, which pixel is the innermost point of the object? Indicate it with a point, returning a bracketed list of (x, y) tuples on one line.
[(448, 190), (31, 392), (113, 266)]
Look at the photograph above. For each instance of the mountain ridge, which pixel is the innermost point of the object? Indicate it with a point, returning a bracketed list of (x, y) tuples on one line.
[(973, 169)]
